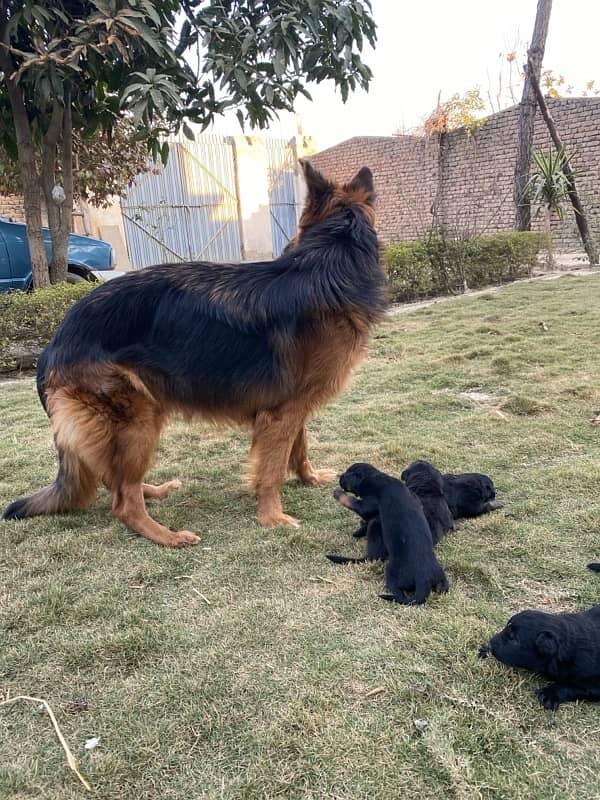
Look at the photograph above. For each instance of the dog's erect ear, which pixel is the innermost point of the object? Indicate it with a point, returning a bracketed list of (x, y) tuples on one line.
[(363, 180), (318, 186), (547, 644)]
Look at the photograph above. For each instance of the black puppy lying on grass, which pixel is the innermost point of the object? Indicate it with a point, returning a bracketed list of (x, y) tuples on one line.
[(396, 527), (444, 499), (470, 494), (565, 647), (426, 482)]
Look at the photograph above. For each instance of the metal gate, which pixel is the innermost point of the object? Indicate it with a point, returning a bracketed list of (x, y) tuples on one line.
[(282, 161), (188, 210)]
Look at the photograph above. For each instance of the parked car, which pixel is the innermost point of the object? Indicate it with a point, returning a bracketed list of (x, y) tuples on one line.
[(90, 259)]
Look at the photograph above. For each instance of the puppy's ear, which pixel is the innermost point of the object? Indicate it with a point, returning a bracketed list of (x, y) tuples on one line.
[(319, 188), (547, 644)]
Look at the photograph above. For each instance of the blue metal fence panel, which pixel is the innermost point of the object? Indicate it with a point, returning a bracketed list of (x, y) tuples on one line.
[(188, 210), (282, 163)]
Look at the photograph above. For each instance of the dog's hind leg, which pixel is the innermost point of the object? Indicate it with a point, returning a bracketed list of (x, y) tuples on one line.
[(553, 695), (272, 441), (114, 428), (300, 464), (132, 449)]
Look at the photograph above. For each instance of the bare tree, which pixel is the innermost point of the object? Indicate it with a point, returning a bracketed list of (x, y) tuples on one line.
[(527, 108)]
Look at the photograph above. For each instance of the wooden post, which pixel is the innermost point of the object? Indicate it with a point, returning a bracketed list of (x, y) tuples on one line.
[(535, 56)]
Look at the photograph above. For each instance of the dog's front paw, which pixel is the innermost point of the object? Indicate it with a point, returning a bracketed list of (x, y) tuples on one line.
[(550, 697), (275, 519), (319, 477), (484, 651)]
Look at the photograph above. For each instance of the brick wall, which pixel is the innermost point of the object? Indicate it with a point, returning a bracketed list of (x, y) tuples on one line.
[(12, 206), (470, 181)]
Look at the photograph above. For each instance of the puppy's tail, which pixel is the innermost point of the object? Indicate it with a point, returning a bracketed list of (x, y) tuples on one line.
[(594, 566), (345, 560), (74, 487), (405, 599)]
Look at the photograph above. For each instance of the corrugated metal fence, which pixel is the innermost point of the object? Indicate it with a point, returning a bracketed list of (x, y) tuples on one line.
[(190, 209), (281, 156)]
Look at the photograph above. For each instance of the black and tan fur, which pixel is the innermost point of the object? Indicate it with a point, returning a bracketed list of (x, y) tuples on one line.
[(263, 345)]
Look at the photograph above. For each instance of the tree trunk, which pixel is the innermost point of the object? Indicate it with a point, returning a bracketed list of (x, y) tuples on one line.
[(50, 143), (60, 210), (29, 175), (66, 216), (527, 115), (580, 217)]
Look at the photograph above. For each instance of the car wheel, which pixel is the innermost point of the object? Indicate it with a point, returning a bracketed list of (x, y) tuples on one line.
[(72, 278)]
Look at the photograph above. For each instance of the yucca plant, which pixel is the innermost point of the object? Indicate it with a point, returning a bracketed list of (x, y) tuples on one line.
[(548, 188)]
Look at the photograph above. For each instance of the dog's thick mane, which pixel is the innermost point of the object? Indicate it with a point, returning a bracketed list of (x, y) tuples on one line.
[(334, 267)]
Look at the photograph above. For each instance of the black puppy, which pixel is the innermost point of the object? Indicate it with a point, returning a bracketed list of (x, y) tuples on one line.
[(412, 571), (565, 647), (426, 482), (367, 509), (470, 494)]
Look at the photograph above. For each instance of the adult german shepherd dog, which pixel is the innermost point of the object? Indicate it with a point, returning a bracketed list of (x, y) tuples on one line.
[(263, 344)]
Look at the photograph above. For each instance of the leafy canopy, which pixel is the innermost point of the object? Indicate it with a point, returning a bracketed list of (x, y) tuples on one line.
[(128, 58)]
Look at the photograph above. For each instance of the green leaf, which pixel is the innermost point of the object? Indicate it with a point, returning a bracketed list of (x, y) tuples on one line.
[(164, 153), (241, 79), (187, 131)]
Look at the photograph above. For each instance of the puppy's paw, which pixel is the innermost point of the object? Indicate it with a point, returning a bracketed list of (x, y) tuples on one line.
[(484, 651), (343, 497), (402, 599), (550, 697)]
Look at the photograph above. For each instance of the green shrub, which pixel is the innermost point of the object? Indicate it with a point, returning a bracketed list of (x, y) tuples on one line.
[(409, 270), (28, 320), (502, 257), (440, 264)]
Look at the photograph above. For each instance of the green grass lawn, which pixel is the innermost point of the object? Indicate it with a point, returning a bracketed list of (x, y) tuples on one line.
[(260, 689)]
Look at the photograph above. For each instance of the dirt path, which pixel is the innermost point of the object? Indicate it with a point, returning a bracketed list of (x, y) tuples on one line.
[(403, 308)]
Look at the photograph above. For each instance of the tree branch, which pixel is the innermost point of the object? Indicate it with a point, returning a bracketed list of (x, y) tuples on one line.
[(580, 217)]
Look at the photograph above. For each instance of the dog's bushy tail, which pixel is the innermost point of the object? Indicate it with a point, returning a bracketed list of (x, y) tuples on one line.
[(74, 488), (594, 566)]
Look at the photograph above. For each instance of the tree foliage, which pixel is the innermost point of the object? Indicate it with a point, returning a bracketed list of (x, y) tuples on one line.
[(104, 165), (72, 68), (459, 111)]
